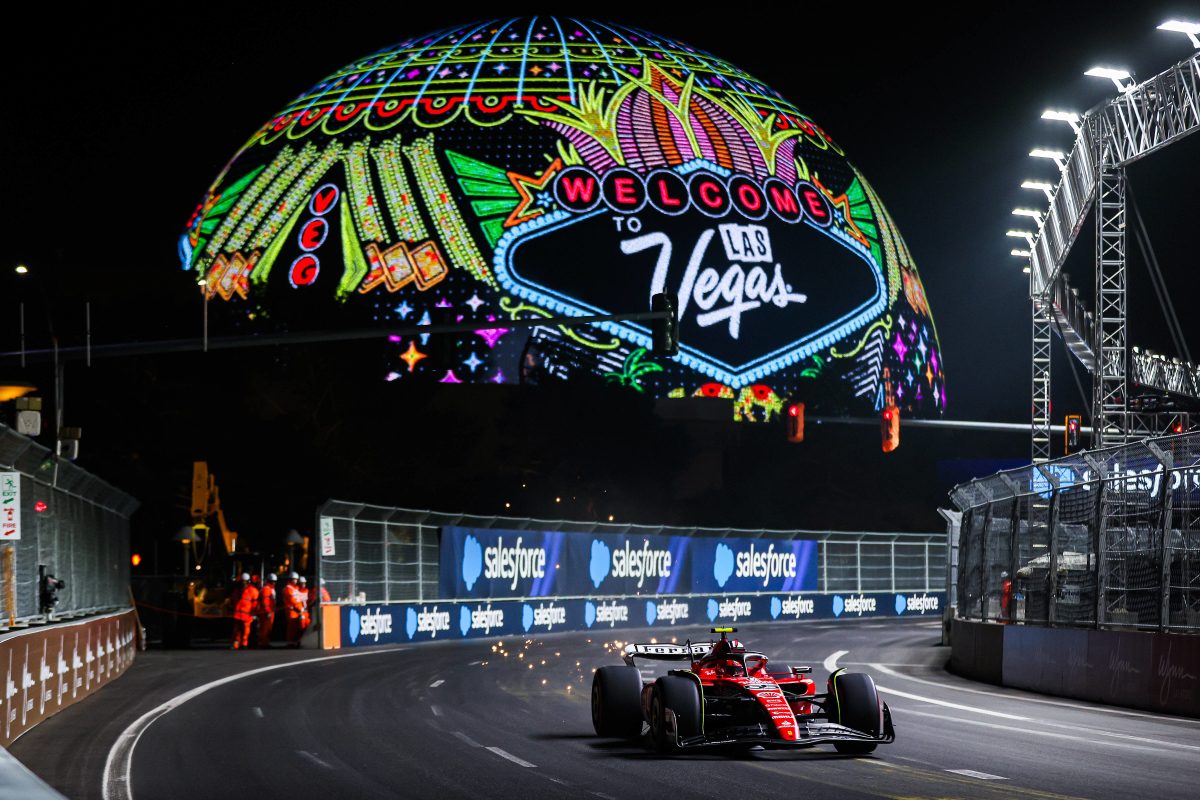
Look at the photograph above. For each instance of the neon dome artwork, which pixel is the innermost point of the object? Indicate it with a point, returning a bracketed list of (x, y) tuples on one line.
[(541, 167)]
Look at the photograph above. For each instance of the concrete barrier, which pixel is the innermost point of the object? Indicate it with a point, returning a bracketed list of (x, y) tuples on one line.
[(1137, 669), (48, 668)]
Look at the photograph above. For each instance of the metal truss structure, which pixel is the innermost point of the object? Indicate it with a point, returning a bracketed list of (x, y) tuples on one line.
[(1144, 118)]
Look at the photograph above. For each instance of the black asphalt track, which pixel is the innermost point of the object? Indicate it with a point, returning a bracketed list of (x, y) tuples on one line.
[(461, 720)]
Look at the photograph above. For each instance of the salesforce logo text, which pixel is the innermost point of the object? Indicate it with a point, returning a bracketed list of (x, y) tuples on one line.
[(734, 609), (669, 611), (766, 564), (516, 562), (921, 603), (612, 613), (859, 605), (797, 607), (641, 563), (484, 619), (432, 622), (375, 624)]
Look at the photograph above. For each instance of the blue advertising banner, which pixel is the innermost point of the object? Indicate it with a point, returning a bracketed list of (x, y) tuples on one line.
[(428, 622), (490, 563), (754, 565)]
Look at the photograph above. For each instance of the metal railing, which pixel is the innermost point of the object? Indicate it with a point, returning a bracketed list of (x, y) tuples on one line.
[(387, 555), (1107, 538), (73, 526)]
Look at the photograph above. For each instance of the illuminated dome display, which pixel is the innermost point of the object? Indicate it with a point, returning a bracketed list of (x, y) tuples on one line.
[(542, 167)]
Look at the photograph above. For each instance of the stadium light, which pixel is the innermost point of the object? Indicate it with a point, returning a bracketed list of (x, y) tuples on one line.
[(1181, 26), (1026, 235), (1069, 117), (1057, 156), (1041, 186), (1028, 212), (1016, 251), (1114, 75)]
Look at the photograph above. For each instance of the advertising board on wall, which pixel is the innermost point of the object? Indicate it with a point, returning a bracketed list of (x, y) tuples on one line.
[(396, 623), (492, 563)]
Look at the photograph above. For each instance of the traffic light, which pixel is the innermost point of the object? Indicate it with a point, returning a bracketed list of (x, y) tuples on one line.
[(889, 428), (1072, 433), (793, 417), (666, 330)]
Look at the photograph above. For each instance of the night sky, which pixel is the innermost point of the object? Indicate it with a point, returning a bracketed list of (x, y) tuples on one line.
[(116, 123)]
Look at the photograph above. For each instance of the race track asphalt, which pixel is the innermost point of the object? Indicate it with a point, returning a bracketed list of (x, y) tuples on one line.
[(461, 720)]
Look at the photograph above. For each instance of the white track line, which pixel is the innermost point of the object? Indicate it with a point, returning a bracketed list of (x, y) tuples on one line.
[(958, 706), (1060, 726), (983, 776), (884, 668), (470, 742), (505, 754), (436, 684), (256, 711), (437, 712), (117, 765), (830, 663), (1047, 734), (313, 758)]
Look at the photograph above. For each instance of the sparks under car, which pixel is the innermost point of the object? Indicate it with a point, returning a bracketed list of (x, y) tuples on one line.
[(723, 694)]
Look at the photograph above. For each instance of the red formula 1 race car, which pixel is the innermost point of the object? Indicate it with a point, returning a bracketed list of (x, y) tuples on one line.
[(723, 694)]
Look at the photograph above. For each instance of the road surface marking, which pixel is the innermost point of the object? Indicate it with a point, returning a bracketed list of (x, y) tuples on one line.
[(1036, 732), (437, 712), (119, 762), (983, 776), (605, 796), (830, 663), (257, 711), (474, 664), (467, 739), (884, 668), (947, 704), (313, 758), (436, 684), (505, 754)]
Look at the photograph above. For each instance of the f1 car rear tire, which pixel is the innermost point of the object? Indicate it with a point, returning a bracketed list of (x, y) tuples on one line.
[(857, 707), (617, 702), (682, 697)]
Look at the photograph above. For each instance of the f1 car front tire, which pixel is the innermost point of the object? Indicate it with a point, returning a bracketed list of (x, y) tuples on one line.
[(858, 707), (682, 697), (617, 702)]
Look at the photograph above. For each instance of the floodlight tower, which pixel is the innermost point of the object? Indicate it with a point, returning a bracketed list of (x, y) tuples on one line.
[(1143, 118)]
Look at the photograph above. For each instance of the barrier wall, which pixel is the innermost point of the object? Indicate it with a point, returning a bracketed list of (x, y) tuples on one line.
[(396, 623), (1138, 669), (47, 669)]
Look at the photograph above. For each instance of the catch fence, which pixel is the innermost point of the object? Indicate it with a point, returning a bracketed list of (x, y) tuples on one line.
[(71, 525), (1104, 538), (376, 554)]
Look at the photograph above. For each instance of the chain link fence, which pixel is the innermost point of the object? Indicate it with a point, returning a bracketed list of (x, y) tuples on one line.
[(389, 555), (1107, 538), (73, 526)]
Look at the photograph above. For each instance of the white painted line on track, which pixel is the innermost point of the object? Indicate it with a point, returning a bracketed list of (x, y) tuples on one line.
[(947, 704), (983, 776), (257, 711), (467, 739), (116, 783), (1036, 732), (313, 758), (436, 684), (437, 712), (605, 796), (1123, 712), (830, 663), (474, 664), (505, 754)]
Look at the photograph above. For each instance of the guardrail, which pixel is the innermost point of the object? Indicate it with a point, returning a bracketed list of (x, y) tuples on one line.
[(60, 520), (1109, 538)]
